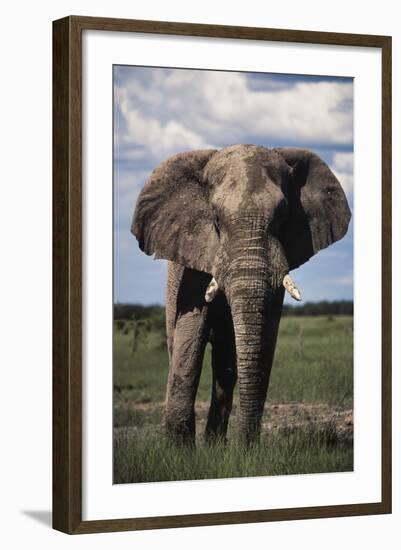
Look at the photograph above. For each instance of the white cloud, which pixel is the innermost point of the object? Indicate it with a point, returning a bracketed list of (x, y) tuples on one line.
[(307, 111), (164, 111), (150, 135), (344, 162), (131, 179), (343, 167)]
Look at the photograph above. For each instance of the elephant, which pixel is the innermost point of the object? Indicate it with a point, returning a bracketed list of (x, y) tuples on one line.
[(232, 223)]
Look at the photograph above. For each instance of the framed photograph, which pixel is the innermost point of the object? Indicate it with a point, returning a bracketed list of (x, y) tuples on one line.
[(221, 272)]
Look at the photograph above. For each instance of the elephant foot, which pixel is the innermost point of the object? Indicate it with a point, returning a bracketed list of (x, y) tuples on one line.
[(180, 430), (250, 439)]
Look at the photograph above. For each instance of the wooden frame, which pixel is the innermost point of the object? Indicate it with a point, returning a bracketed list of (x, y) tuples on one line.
[(67, 274)]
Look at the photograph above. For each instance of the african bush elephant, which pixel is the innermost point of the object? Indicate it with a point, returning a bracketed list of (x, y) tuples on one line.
[(232, 223)]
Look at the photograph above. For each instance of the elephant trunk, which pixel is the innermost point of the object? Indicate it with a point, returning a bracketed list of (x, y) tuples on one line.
[(255, 295)]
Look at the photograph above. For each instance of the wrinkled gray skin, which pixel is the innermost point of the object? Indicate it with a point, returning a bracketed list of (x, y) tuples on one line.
[(245, 215)]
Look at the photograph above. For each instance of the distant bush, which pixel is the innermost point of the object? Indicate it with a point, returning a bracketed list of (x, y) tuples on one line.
[(156, 314), (343, 307), (137, 311)]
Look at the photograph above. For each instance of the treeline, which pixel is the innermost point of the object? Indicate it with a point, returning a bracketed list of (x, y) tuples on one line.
[(139, 311), (123, 312), (341, 307)]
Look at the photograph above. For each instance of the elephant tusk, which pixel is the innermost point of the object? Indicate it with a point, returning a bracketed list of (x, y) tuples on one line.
[(291, 288), (211, 290)]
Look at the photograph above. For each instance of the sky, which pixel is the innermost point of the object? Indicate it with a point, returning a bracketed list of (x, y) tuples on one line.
[(159, 112)]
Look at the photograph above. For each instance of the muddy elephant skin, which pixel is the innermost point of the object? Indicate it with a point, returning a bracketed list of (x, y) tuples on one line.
[(244, 215)]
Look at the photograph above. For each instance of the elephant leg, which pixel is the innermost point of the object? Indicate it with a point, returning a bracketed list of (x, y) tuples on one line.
[(224, 374), (187, 350), (174, 278)]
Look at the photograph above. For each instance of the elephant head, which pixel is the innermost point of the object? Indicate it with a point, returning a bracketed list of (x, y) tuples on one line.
[(246, 215)]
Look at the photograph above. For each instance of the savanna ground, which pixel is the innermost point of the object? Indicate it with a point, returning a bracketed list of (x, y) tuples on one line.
[(307, 423)]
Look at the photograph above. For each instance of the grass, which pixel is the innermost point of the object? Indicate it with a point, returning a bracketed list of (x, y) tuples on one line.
[(313, 361), (312, 449), (313, 364)]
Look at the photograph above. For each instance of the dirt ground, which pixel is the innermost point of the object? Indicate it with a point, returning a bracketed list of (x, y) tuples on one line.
[(277, 418)]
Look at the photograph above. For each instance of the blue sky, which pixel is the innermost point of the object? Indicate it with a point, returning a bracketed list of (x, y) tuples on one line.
[(159, 112)]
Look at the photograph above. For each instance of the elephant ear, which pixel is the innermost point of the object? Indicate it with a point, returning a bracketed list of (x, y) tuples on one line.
[(172, 217), (318, 209)]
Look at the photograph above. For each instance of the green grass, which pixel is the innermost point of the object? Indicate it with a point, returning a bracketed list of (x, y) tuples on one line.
[(313, 361), (142, 373), (312, 449), (313, 364), (124, 416)]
